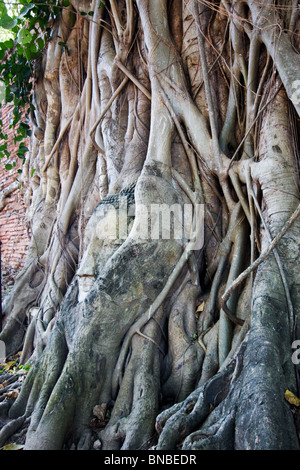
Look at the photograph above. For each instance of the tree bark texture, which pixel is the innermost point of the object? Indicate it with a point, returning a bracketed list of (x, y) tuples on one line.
[(146, 342)]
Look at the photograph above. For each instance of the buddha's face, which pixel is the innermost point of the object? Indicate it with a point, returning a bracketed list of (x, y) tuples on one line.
[(85, 284), (101, 241)]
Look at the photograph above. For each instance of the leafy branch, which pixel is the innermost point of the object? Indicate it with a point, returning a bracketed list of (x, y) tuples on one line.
[(27, 26)]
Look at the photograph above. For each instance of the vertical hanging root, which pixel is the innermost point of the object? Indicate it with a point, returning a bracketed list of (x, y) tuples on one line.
[(263, 256)]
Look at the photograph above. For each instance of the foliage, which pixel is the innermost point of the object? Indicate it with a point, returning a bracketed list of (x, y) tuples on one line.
[(29, 24), (12, 367)]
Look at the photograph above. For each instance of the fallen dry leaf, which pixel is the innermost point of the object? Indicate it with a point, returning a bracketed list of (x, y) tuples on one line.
[(12, 394), (291, 398), (99, 411), (200, 307), (13, 447)]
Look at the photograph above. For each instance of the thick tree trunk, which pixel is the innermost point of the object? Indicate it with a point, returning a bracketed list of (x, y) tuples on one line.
[(142, 338)]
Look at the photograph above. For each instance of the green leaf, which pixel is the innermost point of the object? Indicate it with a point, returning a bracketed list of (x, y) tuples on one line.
[(25, 126), (24, 36), (2, 91), (40, 44), (32, 172), (9, 44), (23, 148), (3, 9), (28, 53), (26, 9), (33, 48), (8, 166), (7, 22), (71, 19)]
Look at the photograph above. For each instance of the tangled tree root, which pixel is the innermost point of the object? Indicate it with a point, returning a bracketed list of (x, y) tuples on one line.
[(133, 344), (179, 425)]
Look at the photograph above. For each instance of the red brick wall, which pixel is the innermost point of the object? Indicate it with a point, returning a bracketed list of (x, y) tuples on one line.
[(13, 233)]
